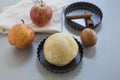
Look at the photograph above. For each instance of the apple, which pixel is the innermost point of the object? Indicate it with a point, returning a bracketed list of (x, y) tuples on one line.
[(41, 14), (21, 35)]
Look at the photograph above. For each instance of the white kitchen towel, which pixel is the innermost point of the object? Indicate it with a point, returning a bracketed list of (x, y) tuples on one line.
[(21, 10)]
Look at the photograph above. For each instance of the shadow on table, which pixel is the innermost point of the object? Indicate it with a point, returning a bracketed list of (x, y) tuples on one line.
[(53, 76), (40, 37), (18, 57), (98, 28), (3, 35), (89, 52)]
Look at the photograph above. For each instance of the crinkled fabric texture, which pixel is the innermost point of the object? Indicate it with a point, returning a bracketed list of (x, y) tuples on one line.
[(21, 10)]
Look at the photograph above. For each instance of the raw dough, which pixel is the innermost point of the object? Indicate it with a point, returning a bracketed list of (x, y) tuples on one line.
[(60, 49)]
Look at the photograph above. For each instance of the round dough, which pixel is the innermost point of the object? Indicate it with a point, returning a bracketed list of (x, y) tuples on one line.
[(60, 49)]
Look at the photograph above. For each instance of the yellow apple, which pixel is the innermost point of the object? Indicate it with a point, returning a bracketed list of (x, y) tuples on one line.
[(21, 35)]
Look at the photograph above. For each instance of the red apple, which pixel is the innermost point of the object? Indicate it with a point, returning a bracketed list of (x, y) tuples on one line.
[(41, 14), (21, 35)]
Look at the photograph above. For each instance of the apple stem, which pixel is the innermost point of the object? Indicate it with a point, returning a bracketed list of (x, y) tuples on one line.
[(22, 21)]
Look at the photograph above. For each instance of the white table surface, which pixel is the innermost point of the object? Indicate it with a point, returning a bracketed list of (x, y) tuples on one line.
[(101, 62)]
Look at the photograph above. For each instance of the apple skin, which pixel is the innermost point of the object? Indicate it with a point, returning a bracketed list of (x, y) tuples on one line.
[(21, 35), (41, 14)]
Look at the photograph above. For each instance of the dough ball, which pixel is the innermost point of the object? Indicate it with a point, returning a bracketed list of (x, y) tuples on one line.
[(60, 49)]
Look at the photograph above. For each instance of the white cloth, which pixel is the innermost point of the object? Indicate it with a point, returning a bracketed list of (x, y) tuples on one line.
[(21, 10)]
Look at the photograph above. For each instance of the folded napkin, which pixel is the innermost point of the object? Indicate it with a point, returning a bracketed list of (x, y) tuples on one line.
[(21, 10)]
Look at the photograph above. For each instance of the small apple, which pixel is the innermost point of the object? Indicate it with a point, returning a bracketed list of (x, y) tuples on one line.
[(41, 14), (21, 35)]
